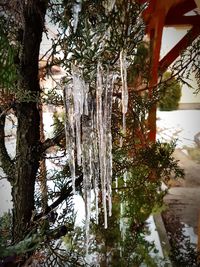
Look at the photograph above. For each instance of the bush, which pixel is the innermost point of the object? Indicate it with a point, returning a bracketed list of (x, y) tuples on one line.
[(170, 93)]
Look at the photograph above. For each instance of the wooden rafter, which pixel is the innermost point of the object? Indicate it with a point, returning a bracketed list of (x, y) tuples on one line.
[(173, 54)]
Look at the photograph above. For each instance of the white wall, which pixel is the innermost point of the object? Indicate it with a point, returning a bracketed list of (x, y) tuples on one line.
[(171, 36)]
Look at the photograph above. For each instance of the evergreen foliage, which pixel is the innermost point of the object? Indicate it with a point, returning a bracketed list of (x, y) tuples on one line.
[(188, 64), (5, 229), (8, 72), (170, 93)]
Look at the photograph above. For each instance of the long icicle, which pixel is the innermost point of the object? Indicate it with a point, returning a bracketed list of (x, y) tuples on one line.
[(89, 136), (108, 137), (95, 162), (78, 100), (123, 70), (101, 138), (87, 174), (69, 131)]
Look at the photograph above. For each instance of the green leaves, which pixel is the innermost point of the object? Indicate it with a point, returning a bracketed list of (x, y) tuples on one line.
[(100, 35), (8, 72), (170, 93)]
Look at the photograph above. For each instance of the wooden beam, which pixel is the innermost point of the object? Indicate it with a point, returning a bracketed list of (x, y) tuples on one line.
[(155, 45), (182, 8), (172, 55), (183, 20)]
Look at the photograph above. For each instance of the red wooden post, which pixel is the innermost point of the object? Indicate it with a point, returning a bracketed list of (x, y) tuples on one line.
[(155, 44), (156, 16)]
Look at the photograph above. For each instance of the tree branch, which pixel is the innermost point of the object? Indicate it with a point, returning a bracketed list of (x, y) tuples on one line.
[(31, 242), (66, 192), (52, 141), (5, 111), (6, 162)]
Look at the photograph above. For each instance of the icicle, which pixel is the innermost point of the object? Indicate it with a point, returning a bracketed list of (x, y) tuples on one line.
[(74, 105), (86, 92), (123, 129), (79, 89), (109, 174), (78, 139), (125, 177), (96, 192), (123, 69), (87, 174), (124, 123), (95, 162), (121, 141), (88, 203), (76, 10), (122, 221), (69, 131), (104, 113), (107, 118), (72, 168), (116, 183), (102, 145), (88, 134)]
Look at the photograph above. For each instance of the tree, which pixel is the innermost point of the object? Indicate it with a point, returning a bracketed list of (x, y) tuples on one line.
[(97, 37), (22, 172), (171, 93)]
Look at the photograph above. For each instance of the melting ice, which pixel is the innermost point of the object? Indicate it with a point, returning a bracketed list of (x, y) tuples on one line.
[(89, 137), (123, 70)]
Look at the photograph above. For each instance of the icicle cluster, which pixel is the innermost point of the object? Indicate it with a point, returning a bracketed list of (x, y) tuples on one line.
[(103, 113), (76, 105), (88, 136)]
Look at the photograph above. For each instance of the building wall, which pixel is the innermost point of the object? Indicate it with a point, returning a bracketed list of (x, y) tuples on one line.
[(171, 36)]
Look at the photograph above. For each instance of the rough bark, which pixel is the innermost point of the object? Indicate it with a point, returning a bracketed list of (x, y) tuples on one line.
[(28, 128), (27, 163), (5, 160)]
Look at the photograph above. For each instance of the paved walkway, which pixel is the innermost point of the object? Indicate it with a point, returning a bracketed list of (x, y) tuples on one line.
[(183, 198)]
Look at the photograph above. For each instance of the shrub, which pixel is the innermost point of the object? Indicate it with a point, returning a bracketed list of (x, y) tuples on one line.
[(170, 93)]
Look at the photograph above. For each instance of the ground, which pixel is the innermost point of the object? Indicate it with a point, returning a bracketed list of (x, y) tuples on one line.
[(183, 197)]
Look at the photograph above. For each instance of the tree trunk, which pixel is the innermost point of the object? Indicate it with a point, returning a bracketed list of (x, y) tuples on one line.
[(28, 128), (26, 168)]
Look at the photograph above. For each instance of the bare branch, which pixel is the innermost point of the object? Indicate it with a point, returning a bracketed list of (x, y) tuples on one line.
[(3, 177), (65, 193), (4, 112), (52, 141)]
